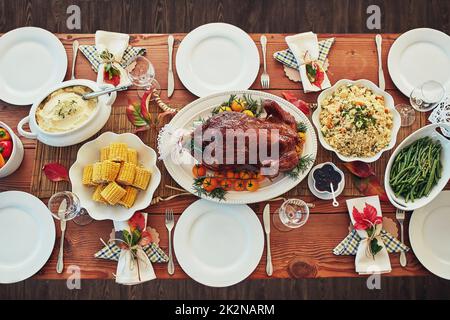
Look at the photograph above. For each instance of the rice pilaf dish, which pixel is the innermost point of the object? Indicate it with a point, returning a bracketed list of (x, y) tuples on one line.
[(355, 121)]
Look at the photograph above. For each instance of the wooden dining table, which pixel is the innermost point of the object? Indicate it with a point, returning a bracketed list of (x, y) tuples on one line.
[(306, 252)]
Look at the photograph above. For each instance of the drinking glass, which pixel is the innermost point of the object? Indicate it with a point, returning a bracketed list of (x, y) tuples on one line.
[(141, 73), (407, 114), (66, 205), (427, 96), (292, 214)]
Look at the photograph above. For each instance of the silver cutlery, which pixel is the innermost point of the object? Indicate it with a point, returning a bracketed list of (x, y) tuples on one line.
[(266, 220), (169, 225), (381, 82), (265, 79), (96, 94), (75, 46), (170, 81), (62, 218), (400, 216)]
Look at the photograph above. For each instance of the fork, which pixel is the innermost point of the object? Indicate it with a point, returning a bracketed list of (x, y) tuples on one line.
[(265, 79), (169, 225), (400, 216)]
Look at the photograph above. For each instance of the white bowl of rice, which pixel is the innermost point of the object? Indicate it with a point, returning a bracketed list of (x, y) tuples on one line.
[(357, 120)]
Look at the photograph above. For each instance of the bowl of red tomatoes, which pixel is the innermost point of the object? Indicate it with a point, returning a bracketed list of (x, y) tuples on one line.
[(11, 151)]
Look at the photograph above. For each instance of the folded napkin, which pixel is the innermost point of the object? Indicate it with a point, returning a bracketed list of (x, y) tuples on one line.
[(441, 114), (366, 216), (305, 49), (135, 247), (116, 43), (287, 58)]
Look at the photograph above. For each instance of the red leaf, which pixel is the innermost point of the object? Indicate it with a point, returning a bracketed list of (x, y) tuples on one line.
[(137, 221), (370, 186), (145, 102), (359, 169), (55, 172), (146, 238), (300, 104)]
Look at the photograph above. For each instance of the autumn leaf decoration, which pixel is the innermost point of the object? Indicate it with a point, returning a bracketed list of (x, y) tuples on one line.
[(55, 172), (315, 73), (300, 104), (365, 180), (368, 220)]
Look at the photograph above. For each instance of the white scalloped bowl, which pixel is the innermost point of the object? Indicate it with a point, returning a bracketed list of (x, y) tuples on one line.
[(389, 104), (90, 153)]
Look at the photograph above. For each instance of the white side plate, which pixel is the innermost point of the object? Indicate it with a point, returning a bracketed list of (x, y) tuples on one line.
[(430, 237), (218, 245), (31, 61), (27, 234), (418, 56), (217, 57)]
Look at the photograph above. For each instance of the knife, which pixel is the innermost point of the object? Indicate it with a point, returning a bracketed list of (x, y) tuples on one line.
[(381, 82), (170, 81), (266, 220)]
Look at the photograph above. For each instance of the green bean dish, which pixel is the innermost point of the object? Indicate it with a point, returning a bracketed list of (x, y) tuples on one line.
[(416, 169)]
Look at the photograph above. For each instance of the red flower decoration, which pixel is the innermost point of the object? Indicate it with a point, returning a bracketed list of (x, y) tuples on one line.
[(367, 219), (137, 221)]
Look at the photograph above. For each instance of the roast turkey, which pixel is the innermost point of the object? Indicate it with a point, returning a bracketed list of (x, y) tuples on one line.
[(277, 130)]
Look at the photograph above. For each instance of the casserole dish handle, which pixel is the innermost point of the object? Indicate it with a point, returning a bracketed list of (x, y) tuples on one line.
[(112, 96), (24, 133)]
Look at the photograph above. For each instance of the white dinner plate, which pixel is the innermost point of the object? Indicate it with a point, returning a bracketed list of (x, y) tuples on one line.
[(417, 56), (218, 245), (430, 237), (31, 61), (27, 235), (217, 57)]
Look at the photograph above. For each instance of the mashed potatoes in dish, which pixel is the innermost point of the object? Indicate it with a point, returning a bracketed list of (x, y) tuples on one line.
[(355, 121), (64, 109)]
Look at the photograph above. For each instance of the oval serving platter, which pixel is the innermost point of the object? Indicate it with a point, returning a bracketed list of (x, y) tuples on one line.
[(202, 109)]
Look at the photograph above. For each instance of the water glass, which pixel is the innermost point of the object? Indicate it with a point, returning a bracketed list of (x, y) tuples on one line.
[(292, 214), (427, 96), (66, 205), (141, 73)]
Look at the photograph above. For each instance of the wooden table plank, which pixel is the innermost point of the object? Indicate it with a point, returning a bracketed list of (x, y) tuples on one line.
[(352, 57)]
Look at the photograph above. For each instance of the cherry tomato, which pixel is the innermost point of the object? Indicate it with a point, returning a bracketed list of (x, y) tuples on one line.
[(229, 174), (258, 176), (239, 185), (198, 171), (244, 175), (209, 184), (226, 184), (252, 185)]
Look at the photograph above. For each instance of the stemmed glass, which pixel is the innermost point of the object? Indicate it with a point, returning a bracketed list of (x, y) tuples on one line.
[(141, 73), (292, 214), (66, 206), (427, 96), (407, 114)]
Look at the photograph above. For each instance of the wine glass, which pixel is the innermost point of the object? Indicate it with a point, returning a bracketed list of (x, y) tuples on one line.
[(292, 214), (66, 205), (427, 96), (407, 114), (141, 73)]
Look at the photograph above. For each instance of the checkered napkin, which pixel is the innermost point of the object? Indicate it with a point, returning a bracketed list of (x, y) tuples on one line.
[(153, 251), (349, 246), (287, 58), (90, 52)]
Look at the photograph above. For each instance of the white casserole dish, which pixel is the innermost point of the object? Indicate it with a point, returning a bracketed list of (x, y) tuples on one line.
[(389, 103), (16, 157), (86, 130)]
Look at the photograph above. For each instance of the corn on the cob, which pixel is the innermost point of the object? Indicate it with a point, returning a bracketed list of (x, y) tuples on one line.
[(127, 173), (142, 178), (113, 193), (104, 154), (110, 170), (118, 152), (130, 197), (87, 176), (97, 173), (96, 196), (132, 156)]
